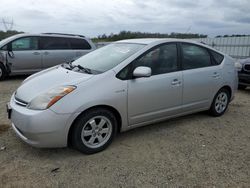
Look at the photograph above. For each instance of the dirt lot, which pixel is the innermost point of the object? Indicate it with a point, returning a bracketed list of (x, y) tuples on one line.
[(192, 151)]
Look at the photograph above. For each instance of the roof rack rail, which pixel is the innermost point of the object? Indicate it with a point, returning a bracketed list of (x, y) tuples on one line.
[(64, 34)]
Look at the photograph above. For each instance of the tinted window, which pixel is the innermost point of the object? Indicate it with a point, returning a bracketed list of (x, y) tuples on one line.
[(161, 60), (26, 43), (54, 43), (194, 56), (79, 44), (218, 58)]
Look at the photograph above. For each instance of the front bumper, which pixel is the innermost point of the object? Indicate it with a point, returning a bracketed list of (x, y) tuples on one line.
[(244, 79), (40, 128)]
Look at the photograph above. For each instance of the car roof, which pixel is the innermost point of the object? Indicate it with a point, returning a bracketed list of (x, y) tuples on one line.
[(50, 35), (153, 40)]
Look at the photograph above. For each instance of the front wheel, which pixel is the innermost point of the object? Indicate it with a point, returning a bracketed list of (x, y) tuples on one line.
[(94, 131), (220, 103)]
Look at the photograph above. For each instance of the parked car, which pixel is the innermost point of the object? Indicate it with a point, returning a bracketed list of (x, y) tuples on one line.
[(118, 87), (29, 53), (243, 67)]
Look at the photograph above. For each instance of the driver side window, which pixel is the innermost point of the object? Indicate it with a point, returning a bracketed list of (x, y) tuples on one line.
[(162, 59), (26, 43)]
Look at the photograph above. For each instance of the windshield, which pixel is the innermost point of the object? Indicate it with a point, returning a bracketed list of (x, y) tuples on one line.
[(108, 57)]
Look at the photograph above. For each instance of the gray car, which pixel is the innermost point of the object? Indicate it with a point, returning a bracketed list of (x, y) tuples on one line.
[(118, 87), (29, 53)]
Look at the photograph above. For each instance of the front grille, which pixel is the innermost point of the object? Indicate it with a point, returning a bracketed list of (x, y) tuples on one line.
[(246, 67), (20, 102)]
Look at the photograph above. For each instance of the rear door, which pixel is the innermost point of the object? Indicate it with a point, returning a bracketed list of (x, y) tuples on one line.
[(26, 56), (55, 50), (201, 78), (79, 46)]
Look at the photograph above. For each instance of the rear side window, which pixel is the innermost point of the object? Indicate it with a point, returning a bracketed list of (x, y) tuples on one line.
[(79, 44), (194, 56), (217, 58), (54, 43)]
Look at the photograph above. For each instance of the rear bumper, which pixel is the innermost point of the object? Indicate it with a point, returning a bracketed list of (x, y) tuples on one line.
[(244, 79)]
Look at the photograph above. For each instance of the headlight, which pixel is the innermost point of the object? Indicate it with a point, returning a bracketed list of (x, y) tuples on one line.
[(49, 98), (238, 66)]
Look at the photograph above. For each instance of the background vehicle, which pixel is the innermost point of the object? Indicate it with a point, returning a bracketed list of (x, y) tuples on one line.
[(118, 87), (243, 67), (29, 53)]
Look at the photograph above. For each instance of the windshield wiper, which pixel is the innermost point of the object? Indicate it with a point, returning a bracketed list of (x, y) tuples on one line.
[(70, 66), (84, 69)]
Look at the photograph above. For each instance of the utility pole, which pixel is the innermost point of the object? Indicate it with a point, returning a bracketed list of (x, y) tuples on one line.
[(8, 24)]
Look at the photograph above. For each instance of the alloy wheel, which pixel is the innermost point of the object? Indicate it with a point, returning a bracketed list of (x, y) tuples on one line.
[(221, 102), (96, 132)]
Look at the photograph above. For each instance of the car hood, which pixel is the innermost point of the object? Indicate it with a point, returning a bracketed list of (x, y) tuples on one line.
[(45, 80)]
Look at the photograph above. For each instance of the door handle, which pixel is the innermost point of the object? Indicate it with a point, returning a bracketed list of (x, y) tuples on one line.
[(176, 82), (46, 53), (36, 53), (216, 75)]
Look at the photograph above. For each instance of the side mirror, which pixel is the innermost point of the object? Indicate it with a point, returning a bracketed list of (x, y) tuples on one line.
[(142, 72)]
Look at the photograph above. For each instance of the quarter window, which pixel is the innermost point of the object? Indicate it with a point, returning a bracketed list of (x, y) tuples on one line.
[(26, 43), (218, 58), (161, 60), (194, 56), (54, 43)]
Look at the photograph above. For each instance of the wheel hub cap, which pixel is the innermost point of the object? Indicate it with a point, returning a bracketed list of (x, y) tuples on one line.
[(96, 132), (221, 102)]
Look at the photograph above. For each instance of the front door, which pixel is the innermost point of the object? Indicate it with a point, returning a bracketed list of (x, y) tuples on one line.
[(158, 96), (25, 56)]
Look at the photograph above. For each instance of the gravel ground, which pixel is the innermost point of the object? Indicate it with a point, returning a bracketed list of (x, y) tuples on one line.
[(192, 151)]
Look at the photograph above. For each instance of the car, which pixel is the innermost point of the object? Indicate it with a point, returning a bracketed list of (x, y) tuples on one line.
[(30, 53), (243, 67), (121, 86)]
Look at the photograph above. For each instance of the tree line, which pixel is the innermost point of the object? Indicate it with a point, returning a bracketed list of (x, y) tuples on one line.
[(5, 34), (130, 35)]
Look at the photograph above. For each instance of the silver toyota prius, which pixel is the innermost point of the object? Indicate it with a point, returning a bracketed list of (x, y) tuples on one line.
[(118, 87)]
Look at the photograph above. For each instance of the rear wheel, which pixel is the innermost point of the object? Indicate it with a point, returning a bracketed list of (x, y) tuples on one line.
[(220, 103), (2, 72), (94, 131)]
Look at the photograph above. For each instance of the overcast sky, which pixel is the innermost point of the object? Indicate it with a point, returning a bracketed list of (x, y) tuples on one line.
[(95, 17)]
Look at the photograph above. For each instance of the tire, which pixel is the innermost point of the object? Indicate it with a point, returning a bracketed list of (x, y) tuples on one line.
[(3, 73), (220, 103), (93, 131), (242, 87)]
